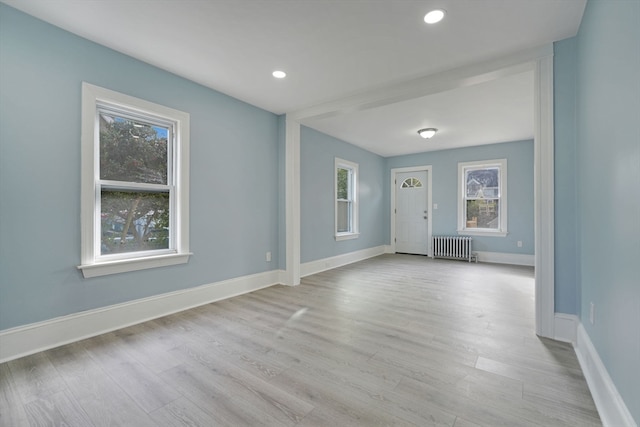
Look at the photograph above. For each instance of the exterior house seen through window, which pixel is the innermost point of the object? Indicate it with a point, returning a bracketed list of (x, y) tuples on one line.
[(482, 201), (134, 206), (346, 207)]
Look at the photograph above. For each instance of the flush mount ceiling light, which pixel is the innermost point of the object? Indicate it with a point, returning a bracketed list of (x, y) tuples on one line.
[(434, 16), (427, 133), (279, 74)]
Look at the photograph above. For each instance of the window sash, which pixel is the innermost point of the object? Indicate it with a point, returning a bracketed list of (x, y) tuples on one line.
[(476, 220), (348, 184), (148, 119), (470, 218), (345, 198), (134, 187), (142, 190), (486, 217)]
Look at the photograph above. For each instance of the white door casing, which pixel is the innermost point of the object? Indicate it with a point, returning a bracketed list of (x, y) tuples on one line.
[(411, 213), (412, 170)]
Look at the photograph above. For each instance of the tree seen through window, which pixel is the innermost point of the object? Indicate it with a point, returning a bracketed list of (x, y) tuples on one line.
[(134, 177)]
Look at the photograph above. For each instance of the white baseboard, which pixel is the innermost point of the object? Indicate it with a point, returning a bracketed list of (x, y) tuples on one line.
[(36, 337), (506, 258), (565, 327), (388, 249), (313, 267), (612, 409), (282, 277)]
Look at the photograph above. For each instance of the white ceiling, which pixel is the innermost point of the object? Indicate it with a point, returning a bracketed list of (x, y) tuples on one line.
[(332, 49), (500, 110)]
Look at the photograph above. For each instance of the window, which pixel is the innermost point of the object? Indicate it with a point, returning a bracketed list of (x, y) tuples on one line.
[(346, 209), (134, 183), (411, 183), (482, 198)]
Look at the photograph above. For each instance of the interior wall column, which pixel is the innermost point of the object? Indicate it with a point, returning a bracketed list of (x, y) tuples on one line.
[(292, 200), (544, 194)]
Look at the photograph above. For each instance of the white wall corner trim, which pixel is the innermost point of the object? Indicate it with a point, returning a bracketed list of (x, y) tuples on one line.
[(565, 327), (612, 409), (543, 194), (317, 266), (29, 339), (292, 200), (388, 249), (505, 258)]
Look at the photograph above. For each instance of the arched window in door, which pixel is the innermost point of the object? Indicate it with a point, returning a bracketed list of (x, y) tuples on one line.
[(411, 183)]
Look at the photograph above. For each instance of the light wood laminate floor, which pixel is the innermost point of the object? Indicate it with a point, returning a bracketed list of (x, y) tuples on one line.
[(394, 340)]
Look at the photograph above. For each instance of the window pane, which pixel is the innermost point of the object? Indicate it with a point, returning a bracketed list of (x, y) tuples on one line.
[(343, 183), (483, 183), (411, 183), (483, 213), (132, 150), (133, 221), (344, 217)]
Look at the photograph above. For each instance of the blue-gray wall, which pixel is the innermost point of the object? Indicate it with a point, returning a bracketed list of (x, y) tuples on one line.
[(520, 200), (234, 175), (317, 217), (566, 248), (608, 187), (237, 181)]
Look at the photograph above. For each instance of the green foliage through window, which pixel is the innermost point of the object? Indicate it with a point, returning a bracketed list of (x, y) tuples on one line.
[(135, 153), (343, 184), (345, 205), (132, 151), (134, 221)]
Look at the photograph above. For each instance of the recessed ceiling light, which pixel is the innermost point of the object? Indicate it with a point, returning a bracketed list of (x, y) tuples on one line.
[(434, 16), (279, 74)]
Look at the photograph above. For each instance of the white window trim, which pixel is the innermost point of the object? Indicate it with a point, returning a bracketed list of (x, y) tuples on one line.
[(354, 233), (462, 223), (91, 265)]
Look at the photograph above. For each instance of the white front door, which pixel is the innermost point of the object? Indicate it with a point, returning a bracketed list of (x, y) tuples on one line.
[(412, 234)]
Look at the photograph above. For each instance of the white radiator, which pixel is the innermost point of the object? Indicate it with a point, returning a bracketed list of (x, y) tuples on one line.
[(453, 247)]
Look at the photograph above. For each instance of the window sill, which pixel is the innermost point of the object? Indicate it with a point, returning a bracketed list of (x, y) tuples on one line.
[(486, 233), (346, 236), (123, 266)]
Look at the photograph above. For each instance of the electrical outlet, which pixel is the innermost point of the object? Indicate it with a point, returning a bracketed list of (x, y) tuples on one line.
[(519, 243), (268, 257), (435, 206), (592, 313)]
